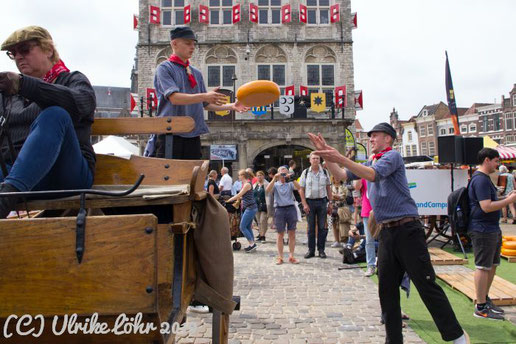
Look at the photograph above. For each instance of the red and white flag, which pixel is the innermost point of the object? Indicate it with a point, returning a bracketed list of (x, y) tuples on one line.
[(236, 13), (354, 23), (302, 13), (335, 13), (135, 22), (340, 97), (290, 90), (303, 90), (204, 14), (359, 100), (154, 14), (253, 13), (133, 97), (286, 14), (152, 99), (187, 14)]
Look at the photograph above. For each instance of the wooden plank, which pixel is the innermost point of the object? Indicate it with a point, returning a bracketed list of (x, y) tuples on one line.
[(145, 125), (441, 257), (510, 259), (41, 275), (502, 292), (111, 202), (112, 170)]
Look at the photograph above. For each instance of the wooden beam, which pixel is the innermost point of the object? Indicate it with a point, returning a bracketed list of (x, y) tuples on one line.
[(145, 125)]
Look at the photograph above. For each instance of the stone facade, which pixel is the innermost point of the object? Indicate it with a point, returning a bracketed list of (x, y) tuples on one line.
[(509, 117), (245, 45)]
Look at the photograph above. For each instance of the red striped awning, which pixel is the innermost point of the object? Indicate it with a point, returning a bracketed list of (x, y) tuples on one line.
[(506, 153)]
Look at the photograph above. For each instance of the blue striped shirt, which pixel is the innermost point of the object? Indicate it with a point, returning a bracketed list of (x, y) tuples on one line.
[(170, 78), (389, 193)]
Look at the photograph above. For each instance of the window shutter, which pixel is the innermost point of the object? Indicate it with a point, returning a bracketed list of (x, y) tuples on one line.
[(187, 14), (253, 13), (154, 14), (335, 13), (236, 13), (204, 14), (286, 14)]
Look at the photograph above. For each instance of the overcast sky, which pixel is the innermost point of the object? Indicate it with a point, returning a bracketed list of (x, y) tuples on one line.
[(398, 47)]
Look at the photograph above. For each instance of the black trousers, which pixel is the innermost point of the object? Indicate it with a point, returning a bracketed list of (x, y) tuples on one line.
[(317, 214), (403, 249), (188, 148)]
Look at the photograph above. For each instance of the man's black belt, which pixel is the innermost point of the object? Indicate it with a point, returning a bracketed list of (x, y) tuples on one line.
[(399, 222), (317, 199), (285, 206)]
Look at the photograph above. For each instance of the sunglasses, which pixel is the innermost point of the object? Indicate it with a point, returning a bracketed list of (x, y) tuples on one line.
[(23, 49)]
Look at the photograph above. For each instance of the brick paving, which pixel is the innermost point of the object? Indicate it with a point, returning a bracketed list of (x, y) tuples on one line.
[(312, 302)]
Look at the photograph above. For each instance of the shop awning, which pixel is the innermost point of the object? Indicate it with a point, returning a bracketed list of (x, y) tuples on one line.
[(506, 153)]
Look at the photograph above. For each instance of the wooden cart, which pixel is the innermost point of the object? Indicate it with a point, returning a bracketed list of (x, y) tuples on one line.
[(130, 255)]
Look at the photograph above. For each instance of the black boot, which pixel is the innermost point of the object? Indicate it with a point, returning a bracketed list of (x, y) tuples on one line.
[(7, 203)]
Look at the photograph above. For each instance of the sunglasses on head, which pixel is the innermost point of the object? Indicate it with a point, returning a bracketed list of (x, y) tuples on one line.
[(23, 49)]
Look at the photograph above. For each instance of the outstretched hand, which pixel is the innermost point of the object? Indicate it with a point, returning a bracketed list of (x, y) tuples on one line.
[(324, 150), (237, 106)]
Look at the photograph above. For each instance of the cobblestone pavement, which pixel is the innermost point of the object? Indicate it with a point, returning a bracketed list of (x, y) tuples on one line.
[(312, 302)]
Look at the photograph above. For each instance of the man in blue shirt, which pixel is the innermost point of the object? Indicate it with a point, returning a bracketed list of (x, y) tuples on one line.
[(181, 92), (484, 230), (402, 241)]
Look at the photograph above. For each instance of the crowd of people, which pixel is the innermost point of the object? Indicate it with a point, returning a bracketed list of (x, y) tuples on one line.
[(280, 197)]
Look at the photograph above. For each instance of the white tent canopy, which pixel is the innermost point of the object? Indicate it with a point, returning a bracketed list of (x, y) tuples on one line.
[(115, 145)]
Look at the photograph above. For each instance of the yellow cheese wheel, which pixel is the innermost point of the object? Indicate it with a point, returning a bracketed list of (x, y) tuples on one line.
[(508, 252), (509, 244), (509, 238), (258, 93)]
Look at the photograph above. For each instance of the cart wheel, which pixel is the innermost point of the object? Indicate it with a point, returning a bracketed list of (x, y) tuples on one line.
[(237, 246)]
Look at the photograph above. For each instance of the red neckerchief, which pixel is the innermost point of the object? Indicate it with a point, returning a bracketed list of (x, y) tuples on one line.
[(54, 72), (379, 155), (191, 77)]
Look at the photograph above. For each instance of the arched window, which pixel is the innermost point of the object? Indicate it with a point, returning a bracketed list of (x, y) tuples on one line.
[(320, 71), (271, 64), (221, 62)]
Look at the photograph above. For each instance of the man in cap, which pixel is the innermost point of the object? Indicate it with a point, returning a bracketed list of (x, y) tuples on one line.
[(181, 92), (402, 239), (47, 112)]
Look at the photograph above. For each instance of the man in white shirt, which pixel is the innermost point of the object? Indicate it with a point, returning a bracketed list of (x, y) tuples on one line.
[(225, 182)]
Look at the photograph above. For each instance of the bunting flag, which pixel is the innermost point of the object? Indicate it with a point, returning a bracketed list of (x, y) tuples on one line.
[(302, 13), (203, 14), (290, 90), (187, 14), (340, 97), (286, 15), (335, 13), (303, 90), (154, 14), (253, 13), (359, 103), (318, 102), (236, 13), (354, 23), (133, 97), (135, 22), (450, 95), (152, 99)]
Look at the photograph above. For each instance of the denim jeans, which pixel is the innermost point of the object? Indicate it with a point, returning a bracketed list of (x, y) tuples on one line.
[(370, 244), (50, 158), (318, 209), (246, 223)]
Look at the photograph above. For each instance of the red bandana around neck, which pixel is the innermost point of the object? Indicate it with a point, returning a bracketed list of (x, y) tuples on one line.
[(191, 77), (54, 72), (379, 155)]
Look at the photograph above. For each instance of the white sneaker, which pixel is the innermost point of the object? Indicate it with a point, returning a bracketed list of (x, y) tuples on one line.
[(371, 270), (199, 309), (336, 244)]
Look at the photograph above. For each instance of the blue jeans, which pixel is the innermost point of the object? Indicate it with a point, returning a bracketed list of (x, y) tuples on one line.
[(50, 158), (246, 221), (370, 244), (318, 209)]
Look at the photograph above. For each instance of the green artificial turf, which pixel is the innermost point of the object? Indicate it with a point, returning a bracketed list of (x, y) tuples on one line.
[(479, 330)]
